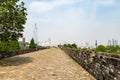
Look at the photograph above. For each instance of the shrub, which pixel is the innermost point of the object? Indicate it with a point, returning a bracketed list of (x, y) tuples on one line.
[(73, 46), (101, 48), (9, 46), (14, 45)]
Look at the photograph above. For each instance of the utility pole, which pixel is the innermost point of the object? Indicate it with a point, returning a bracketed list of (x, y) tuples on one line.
[(35, 34)]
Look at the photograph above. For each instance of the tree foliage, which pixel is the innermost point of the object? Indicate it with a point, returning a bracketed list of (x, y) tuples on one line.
[(74, 45), (113, 49), (32, 44), (109, 49), (70, 46), (12, 19), (101, 48)]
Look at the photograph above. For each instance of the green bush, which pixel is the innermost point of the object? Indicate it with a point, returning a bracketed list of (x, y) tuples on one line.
[(101, 48), (113, 49), (14, 45), (9, 46), (4, 46), (73, 46)]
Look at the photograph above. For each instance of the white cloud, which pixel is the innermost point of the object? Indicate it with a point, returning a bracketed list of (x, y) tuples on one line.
[(42, 6), (39, 6)]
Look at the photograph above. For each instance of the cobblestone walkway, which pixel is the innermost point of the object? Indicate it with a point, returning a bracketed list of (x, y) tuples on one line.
[(50, 64)]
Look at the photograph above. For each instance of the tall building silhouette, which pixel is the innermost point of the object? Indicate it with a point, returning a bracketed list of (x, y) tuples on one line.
[(115, 42), (109, 42), (23, 40)]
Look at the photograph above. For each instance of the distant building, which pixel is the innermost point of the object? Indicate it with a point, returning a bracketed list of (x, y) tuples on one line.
[(116, 42), (46, 43), (112, 42), (23, 40), (23, 44), (109, 42), (87, 45)]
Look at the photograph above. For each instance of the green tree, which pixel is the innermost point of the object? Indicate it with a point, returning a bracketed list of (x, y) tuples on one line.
[(117, 49), (113, 49), (74, 45), (12, 19), (109, 49), (101, 48), (32, 44)]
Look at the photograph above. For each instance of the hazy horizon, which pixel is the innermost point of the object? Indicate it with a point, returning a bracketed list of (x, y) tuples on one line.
[(73, 21)]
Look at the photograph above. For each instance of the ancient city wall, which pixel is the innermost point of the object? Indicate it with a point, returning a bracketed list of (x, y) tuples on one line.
[(6, 54), (102, 66)]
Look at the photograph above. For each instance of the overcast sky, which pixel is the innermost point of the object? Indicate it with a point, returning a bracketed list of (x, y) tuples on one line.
[(73, 21)]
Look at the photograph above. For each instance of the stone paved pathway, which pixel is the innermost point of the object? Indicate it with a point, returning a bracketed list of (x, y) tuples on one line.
[(49, 64)]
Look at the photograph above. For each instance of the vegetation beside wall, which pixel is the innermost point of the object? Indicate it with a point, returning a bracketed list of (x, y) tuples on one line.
[(108, 49), (9, 46)]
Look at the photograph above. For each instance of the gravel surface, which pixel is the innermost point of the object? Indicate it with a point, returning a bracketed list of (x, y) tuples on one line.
[(49, 64)]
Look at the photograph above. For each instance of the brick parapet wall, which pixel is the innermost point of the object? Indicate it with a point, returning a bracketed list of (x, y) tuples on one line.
[(6, 54), (102, 66)]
